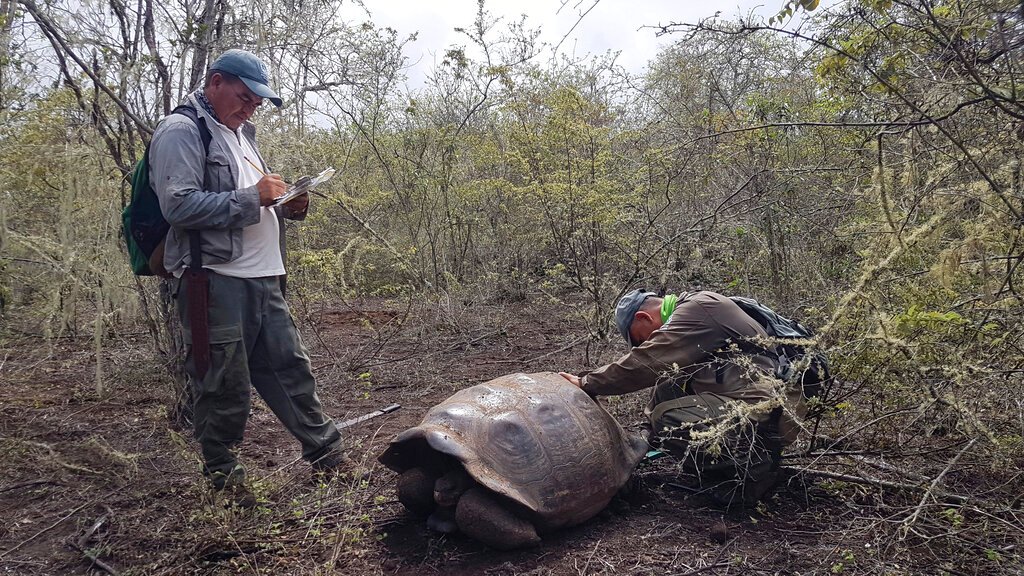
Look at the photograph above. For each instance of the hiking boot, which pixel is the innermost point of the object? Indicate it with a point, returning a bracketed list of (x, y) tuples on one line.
[(336, 465), (237, 495), (332, 462), (230, 489), (755, 487)]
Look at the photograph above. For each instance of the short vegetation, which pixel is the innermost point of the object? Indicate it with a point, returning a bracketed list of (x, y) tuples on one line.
[(861, 171)]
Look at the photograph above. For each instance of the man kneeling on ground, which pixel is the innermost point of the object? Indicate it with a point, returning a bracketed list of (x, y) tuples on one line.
[(717, 405)]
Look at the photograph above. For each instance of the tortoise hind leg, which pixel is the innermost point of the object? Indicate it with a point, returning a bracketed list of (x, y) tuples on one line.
[(482, 517)]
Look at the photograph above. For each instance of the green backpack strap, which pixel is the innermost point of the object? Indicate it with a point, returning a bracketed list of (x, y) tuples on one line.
[(141, 219)]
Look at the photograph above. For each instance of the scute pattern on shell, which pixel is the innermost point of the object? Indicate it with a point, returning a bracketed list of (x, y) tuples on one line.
[(532, 438)]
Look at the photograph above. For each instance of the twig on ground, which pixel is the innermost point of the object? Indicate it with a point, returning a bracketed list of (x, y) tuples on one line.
[(886, 467), (935, 484), (47, 529), (572, 344), (23, 562), (716, 563), (56, 456), (812, 455), (30, 484), (89, 406), (589, 558), (1013, 503), (568, 346), (82, 545), (92, 530), (101, 564), (423, 356)]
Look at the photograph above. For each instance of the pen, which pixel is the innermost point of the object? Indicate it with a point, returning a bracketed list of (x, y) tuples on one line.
[(258, 169), (253, 164)]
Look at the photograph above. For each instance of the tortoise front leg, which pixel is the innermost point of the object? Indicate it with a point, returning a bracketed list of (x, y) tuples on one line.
[(416, 491)]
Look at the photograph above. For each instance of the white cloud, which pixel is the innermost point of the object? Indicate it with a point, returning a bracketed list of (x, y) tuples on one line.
[(616, 25)]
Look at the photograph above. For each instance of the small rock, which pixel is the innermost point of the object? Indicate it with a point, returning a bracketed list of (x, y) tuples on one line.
[(443, 520), (719, 532)]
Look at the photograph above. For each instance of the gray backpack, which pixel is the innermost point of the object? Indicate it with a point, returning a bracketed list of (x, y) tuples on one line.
[(812, 371)]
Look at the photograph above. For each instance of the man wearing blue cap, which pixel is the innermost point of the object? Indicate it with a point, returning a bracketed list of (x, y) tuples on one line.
[(715, 406), (226, 247)]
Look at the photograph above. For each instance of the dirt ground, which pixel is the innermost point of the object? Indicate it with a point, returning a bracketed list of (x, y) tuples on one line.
[(103, 483)]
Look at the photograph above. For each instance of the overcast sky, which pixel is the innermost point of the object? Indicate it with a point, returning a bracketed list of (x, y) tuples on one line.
[(616, 25)]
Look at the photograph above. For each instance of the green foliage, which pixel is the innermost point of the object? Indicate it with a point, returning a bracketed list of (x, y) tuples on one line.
[(791, 7), (953, 516), (62, 250), (863, 174), (848, 560)]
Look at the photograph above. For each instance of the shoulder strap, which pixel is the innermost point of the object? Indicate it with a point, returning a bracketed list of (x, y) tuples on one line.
[(773, 323), (204, 131), (204, 134)]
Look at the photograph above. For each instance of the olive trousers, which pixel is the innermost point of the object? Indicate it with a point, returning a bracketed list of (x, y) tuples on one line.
[(727, 451), (253, 343)]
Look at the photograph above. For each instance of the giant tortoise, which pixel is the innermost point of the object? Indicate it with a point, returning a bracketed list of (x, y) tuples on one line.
[(513, 458)]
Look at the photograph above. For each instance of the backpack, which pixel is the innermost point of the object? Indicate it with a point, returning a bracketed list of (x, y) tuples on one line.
[(143, 224), (812, 371)]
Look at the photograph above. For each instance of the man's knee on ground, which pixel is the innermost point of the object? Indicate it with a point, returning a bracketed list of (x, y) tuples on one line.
[(737, 457)]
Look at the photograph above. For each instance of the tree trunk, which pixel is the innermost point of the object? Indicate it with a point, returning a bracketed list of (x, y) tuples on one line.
[(173, 356), (208, 23), (6, 23), (149, 33)]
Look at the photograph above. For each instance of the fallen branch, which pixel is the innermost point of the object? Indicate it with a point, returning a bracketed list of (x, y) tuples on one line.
[(878, 482), (568, 346), (935, 483), (100, 564), (589, 558), (572, 344), (82, 546), (716, 563), (92, 530), (56, 457)]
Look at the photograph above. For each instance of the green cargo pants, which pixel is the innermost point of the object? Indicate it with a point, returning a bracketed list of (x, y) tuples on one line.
[(740, 466), (253, 341)]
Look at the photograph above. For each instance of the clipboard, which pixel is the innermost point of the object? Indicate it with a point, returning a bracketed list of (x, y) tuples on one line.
[(303, 186)]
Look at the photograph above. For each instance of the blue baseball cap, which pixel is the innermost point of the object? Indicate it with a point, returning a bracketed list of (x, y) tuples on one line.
[(250, 70), (626, 309)]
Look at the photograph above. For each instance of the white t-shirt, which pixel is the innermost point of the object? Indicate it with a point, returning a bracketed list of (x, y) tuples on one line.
[(261, 248)]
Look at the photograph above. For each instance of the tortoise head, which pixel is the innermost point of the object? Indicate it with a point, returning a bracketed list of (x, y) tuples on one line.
[(450, 487)]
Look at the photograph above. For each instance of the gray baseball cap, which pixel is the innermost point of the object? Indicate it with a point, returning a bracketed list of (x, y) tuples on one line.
[(250, 70), (626, 310)]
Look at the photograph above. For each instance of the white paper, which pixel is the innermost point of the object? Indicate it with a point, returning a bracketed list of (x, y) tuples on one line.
[(304, 185)]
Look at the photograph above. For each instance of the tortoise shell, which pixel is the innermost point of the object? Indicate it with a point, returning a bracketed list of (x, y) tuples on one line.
[(539, 442)]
